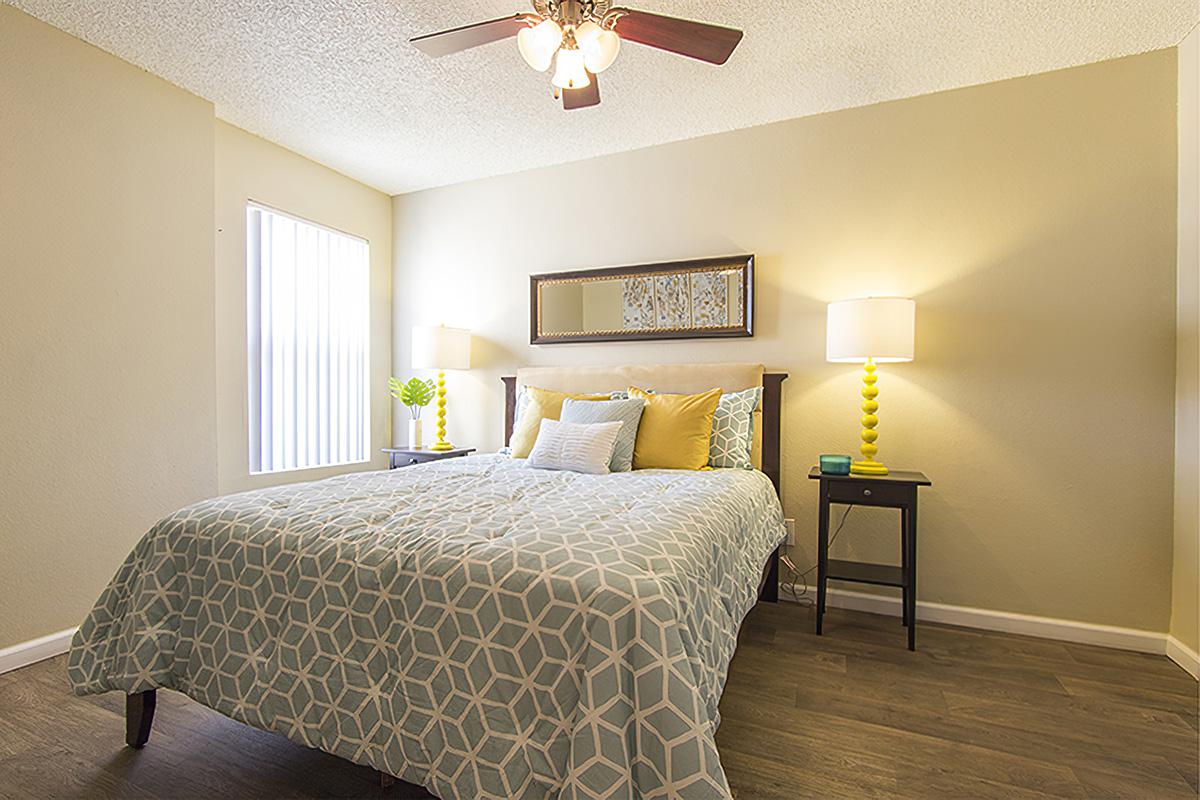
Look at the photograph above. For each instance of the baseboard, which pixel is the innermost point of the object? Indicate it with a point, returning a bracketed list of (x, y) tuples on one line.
[(1184, 656), (1007, 622), (35, 650)]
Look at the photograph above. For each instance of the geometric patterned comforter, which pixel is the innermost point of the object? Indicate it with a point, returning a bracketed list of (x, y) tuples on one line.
[(473, 625)]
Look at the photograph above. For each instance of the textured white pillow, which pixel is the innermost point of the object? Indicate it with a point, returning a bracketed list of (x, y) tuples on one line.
[(575, 446)]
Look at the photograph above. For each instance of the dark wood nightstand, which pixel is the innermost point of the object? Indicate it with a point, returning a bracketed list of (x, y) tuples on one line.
[(408, 456), (897, 489)]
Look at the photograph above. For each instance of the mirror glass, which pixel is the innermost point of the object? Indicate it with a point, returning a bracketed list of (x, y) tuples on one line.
[(696, 300)]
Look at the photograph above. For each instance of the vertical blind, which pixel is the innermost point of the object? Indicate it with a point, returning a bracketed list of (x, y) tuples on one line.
[(307, 317)]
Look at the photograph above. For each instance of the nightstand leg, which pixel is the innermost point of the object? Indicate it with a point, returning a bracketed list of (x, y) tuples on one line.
[(912, 575), (904, 564), (822, 553)]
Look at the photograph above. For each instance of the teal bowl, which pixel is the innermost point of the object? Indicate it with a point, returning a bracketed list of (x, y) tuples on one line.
[(835, 465)]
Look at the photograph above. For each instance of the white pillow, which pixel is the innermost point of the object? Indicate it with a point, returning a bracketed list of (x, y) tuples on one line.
[(575, 446)]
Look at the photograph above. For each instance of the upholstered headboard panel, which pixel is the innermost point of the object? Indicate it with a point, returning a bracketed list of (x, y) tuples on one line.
[(673, 378)]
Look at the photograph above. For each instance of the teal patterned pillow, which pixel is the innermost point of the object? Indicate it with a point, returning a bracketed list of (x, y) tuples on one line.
[(628, 412), (733, 429)]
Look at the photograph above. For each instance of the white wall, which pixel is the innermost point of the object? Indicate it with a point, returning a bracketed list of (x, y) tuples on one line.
[(1185, 603), (1034, 222), (106, 340)]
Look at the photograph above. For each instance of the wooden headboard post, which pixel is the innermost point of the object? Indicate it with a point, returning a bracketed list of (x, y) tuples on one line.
[(510, 405), (772, 416)]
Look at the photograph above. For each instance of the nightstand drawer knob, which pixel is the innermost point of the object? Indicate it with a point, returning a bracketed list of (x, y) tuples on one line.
[(866, 492)]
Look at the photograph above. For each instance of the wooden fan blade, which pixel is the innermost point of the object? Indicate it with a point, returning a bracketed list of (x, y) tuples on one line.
[(582, 98), (457, 39), (699, 40)]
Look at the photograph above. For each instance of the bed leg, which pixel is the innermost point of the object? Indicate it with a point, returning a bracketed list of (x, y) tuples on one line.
[(386, 781), (770, 588), (139, 716)]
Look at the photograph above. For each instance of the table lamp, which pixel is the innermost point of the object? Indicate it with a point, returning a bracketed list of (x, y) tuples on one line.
[(441, 348), (872, 330)]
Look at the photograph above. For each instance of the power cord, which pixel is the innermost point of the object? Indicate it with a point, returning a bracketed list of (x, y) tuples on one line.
[(802, 577)]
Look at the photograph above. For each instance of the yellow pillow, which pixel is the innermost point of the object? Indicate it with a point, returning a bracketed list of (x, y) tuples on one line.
[(675, 430), (543, 404)]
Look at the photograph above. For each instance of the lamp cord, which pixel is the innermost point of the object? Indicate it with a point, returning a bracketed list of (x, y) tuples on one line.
[(802, 577)]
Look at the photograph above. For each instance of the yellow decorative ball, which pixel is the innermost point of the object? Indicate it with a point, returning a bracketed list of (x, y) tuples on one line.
[(869, 420)]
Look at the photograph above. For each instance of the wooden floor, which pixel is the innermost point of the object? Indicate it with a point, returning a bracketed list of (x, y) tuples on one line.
[(848, 714)]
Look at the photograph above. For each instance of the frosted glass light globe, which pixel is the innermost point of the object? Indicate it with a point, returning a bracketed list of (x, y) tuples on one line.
[(539, 43), (599, 46), (569, 72)]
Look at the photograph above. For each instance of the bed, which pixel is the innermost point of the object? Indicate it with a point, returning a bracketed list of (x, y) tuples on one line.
[(473, 625)]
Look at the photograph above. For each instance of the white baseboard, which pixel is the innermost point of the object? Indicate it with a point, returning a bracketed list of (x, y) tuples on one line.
[(35, 650), (1025, 624), (1184, 656)]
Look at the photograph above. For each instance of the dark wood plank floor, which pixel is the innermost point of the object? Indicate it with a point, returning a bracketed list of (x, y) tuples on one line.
[(848, 714)]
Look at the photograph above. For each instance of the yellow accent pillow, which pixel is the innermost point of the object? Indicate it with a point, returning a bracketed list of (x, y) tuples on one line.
[(675, 430), (543, 404)]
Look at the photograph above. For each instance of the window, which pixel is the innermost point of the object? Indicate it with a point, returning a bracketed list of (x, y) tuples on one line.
[(307, 318)]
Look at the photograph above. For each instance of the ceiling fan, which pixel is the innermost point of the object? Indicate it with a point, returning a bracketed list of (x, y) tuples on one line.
[(582, 38)]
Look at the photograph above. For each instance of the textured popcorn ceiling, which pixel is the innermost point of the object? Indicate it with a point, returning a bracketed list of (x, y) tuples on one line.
[(337, 80)]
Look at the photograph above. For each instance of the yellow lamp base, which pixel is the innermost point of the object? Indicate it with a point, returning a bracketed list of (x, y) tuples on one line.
[(441, 445), (868, 468)]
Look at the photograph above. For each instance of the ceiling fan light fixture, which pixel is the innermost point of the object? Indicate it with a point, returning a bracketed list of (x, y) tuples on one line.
[(569, 72), (539, 43), (599, 46)]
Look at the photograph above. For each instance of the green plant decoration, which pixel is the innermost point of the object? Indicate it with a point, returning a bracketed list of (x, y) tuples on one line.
[(416, 394)]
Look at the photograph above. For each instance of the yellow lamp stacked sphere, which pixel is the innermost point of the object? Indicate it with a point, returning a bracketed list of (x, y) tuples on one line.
[(441, 348), (869, 331)]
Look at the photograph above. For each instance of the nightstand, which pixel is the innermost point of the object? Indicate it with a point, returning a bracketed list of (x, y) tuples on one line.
[(897, 489), (408, 456)]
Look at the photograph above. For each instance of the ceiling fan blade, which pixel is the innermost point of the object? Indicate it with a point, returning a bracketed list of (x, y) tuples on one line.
[(699, 40), (464, 38), (582, 98)]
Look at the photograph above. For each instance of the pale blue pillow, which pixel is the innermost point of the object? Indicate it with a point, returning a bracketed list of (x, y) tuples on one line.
[(733, 429), (629, 412)]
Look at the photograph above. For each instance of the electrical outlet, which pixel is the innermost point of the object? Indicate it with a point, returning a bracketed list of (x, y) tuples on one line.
[(790, 526)]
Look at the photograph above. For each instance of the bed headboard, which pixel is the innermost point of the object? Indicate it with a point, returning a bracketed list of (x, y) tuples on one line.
[(681, 378)]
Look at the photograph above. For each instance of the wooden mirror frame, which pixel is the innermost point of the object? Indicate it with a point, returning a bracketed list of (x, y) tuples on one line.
[(741, 262)]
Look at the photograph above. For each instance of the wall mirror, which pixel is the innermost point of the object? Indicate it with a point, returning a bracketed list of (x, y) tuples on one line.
[(708, 298)]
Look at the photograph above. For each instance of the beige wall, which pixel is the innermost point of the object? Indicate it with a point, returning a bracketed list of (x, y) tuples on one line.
[(106, 341), (251, 168), (123, 349), (1034, 222), (1185, 603)]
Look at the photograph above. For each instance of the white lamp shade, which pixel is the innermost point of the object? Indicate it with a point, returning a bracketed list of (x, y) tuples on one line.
[(439, 347), (877, 328)]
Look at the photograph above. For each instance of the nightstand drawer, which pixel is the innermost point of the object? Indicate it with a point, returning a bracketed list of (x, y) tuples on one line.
[(874, 493), (407, 457), (419, 458)]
